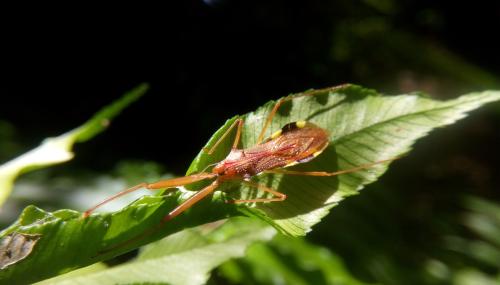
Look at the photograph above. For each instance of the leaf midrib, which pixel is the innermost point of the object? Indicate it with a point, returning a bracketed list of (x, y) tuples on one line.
[(374, 126)]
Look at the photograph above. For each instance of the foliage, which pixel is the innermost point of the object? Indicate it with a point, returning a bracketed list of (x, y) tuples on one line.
[(365, 127), (483, 219), (186, 257), (58, 149), (288, 260)]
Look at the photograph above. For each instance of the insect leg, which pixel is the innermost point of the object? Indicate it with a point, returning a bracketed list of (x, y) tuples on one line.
[(278, 195), (174, 182), (175, 212), (271, 116), (323, 173), (191, 201), (283, 100), (239, 123)]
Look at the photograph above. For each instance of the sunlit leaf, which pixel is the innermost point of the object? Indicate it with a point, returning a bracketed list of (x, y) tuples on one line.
[(365, 127), (59, 149)]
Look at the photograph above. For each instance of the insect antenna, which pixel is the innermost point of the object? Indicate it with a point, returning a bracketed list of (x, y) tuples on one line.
[(324, 173)]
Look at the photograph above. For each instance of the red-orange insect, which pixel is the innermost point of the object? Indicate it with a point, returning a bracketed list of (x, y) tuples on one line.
[(296, 142)]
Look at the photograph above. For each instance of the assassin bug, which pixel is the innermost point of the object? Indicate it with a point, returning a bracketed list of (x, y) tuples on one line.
[(297, 142)]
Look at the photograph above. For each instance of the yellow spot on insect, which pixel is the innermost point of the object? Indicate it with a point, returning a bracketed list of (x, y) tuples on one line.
[(317, 153), (301, 124), (291, 164), (276, 134)]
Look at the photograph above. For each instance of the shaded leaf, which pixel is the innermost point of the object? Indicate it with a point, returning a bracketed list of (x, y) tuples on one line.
[(288, 260), (473, 277), (483, 218), (186, 257), (69, 241)]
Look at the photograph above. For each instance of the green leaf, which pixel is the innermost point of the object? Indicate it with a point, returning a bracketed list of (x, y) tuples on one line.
[(473, 276), (483, 218), (59, 149), (364, 127), (68, 241), (288, 260), (96, 267), (186, 257)]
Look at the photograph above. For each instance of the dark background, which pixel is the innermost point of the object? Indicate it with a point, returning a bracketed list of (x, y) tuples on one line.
[(207, 61)]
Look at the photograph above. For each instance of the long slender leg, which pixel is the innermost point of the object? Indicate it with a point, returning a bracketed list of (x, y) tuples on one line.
[(192, 200), (271, 116), (323, 173), (278, 195), (167, 183), (278, 104), (238, 134), (175, 212), (239, 123)]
